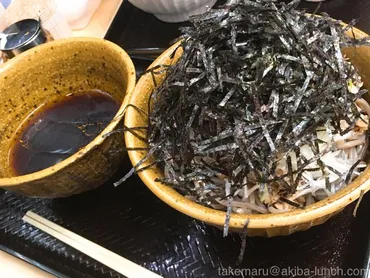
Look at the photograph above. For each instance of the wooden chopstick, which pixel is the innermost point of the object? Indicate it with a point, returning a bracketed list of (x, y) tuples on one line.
[(93, 250)]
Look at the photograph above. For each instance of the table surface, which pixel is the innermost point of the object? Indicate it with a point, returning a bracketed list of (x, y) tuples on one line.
[(11, 266), (132, 222), (101, 20)]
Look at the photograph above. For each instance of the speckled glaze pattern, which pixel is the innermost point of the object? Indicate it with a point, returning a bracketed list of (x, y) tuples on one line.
[(267, 225), (46, 74), (174, 10)]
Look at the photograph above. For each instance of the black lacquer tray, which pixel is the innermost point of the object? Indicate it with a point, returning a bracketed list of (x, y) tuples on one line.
[(132, 222)]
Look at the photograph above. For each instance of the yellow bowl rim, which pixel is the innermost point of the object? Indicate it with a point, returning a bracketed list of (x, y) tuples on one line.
[(131, 81), (324, 208)]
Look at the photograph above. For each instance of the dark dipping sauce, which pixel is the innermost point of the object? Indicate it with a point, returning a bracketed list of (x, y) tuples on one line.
[(59, 130)]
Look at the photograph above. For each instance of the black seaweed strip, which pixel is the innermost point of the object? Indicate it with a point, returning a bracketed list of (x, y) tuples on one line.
[(244, 237), (350, 172), (294, 204), (234, 46)]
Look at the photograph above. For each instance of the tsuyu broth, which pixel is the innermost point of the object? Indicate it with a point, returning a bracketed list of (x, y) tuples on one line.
[(58, 130)]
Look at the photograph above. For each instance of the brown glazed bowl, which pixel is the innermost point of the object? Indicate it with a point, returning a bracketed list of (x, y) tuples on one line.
[(267, 225), (45, 74)]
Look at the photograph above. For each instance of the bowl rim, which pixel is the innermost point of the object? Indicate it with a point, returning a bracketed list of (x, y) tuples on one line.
[(324, 208), (98, 140)]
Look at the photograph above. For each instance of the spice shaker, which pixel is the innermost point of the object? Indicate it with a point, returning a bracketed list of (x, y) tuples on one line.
[(21, 36)]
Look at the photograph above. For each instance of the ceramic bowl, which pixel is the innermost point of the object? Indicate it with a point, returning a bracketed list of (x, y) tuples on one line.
[(45, 74), (173, 10), (260, 225)]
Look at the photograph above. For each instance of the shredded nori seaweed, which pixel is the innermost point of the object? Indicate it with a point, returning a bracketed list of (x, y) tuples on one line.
[(256, 79), (243, 237)]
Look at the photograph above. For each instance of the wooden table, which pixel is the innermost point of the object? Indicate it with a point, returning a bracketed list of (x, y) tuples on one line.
[(13, 267), (101, 20)]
